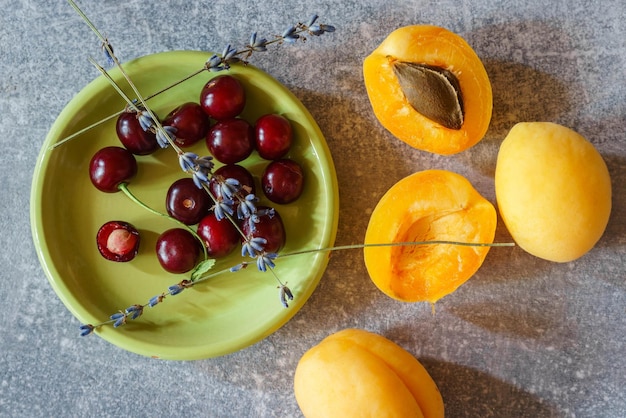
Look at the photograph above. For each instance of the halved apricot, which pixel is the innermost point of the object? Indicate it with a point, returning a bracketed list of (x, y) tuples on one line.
[(429, 88), (430, 205)]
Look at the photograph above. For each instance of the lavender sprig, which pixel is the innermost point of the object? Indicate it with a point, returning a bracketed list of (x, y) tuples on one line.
[(290, 35), (285, 294), (133, 312), (254, 248), (216, 62)]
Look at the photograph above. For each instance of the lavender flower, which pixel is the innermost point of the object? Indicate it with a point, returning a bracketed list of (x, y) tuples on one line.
[(175, 289), (253, 246), (229, 187), (187, 161), (229, 54), (317, 29), (257, 44), (290, 35), (179, 287), (86, 329), (156, 300), (134, 311), (220, 63), (119, 318), (238, 267), (145, 120), (223, 207), (200, 177), (199, 167), (312, 20), (165, 135), (285, 294), (205, 163), (265, 261), (247, 207), (320, 29), (214, 63), (107, 51)]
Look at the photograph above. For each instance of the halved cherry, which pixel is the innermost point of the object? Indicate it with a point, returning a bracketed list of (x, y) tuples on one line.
[(118, 241)]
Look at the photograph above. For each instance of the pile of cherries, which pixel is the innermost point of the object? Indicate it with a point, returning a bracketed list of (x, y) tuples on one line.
[(230, 139)]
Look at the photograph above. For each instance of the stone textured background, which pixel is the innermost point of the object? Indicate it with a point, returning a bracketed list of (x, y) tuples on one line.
[(523, 338)]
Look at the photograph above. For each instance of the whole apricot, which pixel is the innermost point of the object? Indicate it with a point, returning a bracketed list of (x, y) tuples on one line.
[(429, 88), (430, 205), (356, 373), (553, 190)]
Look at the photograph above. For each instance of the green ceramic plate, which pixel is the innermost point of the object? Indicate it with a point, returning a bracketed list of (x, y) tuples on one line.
[(215, 317)]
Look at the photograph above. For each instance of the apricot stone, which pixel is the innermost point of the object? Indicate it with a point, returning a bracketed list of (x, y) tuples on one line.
[(356, 373), (431, 205), (553, 190), (429, 88)]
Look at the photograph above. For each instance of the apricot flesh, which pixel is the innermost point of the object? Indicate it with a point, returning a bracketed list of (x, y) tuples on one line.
[(436, 47), (430, 205), (553, 190), (356, 373)]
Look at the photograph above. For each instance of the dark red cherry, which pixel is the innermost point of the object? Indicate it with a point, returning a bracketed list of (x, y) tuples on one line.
[(270, 227), (190, 121), (220, 236), (177, 250), (132, 135), (273, 136), (111, 166), (118, 241), (232, 171), (230, 141), (186, 202), (282, 181), (223, 97)]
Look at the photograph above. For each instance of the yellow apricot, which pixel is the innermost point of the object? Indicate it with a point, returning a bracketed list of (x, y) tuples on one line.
[(430, 205), (422, 49), (553, 190), (356, 373)]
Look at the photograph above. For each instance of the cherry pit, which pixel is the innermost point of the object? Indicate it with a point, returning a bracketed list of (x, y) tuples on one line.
[(215, 122)]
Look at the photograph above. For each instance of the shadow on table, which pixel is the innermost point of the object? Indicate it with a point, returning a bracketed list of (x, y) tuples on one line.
[(524, 321), (468, 392), (524, 94), (616, 228)]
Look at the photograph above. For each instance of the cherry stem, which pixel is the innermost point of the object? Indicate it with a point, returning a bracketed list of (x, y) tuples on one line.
[(124, 188)]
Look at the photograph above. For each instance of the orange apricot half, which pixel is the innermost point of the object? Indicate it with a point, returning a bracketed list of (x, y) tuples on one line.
[(429, 88), (430, 205), (357, 373)]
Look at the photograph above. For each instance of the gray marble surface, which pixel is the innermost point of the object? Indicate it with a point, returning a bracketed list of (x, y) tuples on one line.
[(523, 338)]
